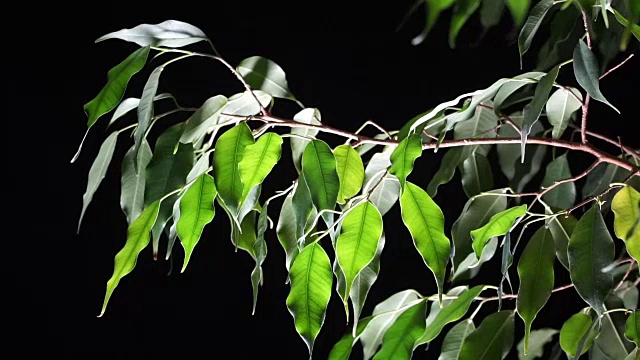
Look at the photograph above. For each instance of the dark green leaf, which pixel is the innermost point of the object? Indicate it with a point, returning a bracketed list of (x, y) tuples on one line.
[(498, 225), (491, 340), (264, 74), (453, 340), (511, 87), (531, 26), (311, 282), (133, 182), (481, 125), (398, 341), (537, 340), (342, 349), (97, 171), (573, 331), (633, 28), (461, 12), (561, 229), (145, 109), (564, 195), (585, 68), (433, 9), (350, 172), (531, 112), (319, 169), (535, 269), (626, 207), (258, 160), (196, 211), (138, 236), (404, 155), (518, 10), (560, 107), (490, 13), (447, 169), (476, 175), (170, 33), (590, 251), (299, 143), (117, 79), (206, 116), (632, 328), (425, 222), (611, 342)]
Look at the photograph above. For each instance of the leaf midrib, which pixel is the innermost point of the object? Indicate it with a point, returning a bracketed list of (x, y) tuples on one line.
[(265, 150), (359, 239), (198, 211), (426, 226)]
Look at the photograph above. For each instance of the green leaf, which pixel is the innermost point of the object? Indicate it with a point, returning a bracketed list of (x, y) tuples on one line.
[(356, 246), (633, 355), (611, 342), (311, 282), (455, 310), (511, 87), (200, 167), (132, 103), (350, 172), (490, 13), (531, 112), (303, 209), (244, 104), (537, 340), (263, 74), (453, 340), (258, 160), (403, 157), (573, 331), (476, 175), (383, 316), (591, 250), (196, 211), (498, 225), (585, 68), (603, 11), (364, 280), (599, 180), (286, 231), (319, 169), (145, 109), (632, 328), (133, 182), (492, 339), (425, 222), (564, 195), (387, 187), (433, 9), (518, 10), (206, 116), (535, 270), (626, 207), (560, 107), (398, 341), (531, 26), (462, 11), (447, 169), (481, 125), (561, 229), (633, 28), (230, 148), (298, 143), (342, 349), (117, 79), (97, 171), (138, 236), (170, 33)]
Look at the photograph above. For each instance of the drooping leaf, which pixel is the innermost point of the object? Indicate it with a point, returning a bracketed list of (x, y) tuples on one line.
[(383, 316), (311, 282), (230, 148), (258, 160), (170, 33), (626, 207), (447, 169), (590, 251), (117, 79), (561, 229), (173, 231), (398, 341), (531, 26), (565, 28), (611, 342), (511, 87), (97, 171), (342, 349), (286, 230), (363, 282), (357, 243), (387, 187), (319, 169), (573, 331), (425, 222), (505, 264), (535, 270), (491, 13), (309, 116), (453, 340), (498, 225), (200, 167), (250, 238), (433, 9), (632, 328), (206, 116), (531, 112), (585, 68), (632, 27), (196, 211), (244, 104), (138, 236), (403, 157), (461, 13), (492, 339), (133, 182), (145, 109), (537, 340), (132, 103), (518, 10), (303, 209), (455, 310), (476, 175), (564, 195), (560, 107), (263, 74), (350, 172), (481, 125)]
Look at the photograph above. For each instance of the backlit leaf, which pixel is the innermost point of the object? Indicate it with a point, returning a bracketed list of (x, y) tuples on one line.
[(518, 10), (258, 160), (632, 328), (403, 157), (626, 207), (498, 225), (319, 169), (206, 116), (433, 9), (350, 172), (461, 13), (573, 331), (309, 116)]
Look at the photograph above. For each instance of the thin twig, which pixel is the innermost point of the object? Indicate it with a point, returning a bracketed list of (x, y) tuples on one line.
[(514, 296), (626, 275), (616, 67), (585, 105)]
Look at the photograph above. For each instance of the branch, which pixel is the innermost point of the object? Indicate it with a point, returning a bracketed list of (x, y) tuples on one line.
[(618, 143), (615, 67), (585, 105), (513, 296)]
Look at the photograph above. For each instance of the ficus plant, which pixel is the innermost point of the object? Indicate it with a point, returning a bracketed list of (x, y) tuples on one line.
[(330, 220)]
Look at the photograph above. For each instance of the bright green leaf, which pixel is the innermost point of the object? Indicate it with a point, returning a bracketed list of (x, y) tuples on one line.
[(564, 195), (117, 79), (170, 33), (138, 236), (453, 340), (264, 74), (603, 11), (309, 116), (133, 182), (196, 211), (632, 328), (498, 225), (590, 251), (433, 9), (573, 331), (633, 28), (319, 169), (206, 116), (403, 157), (350, 172), (476, 175), (258, 161), (531, 26), (585, 68), (311, 282), (531, 112), (518, 10), (537, 340), (492, 339), (560, 107), (425, 222), (342, 349), (626, 207), (398, 341), (462, 11), (535, 270)]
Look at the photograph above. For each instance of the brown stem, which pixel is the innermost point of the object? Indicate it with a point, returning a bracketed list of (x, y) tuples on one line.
[(615, 67), (585, 23), (626, 275)]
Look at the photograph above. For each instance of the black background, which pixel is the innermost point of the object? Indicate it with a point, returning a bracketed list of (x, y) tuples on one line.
[(350, 63)]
